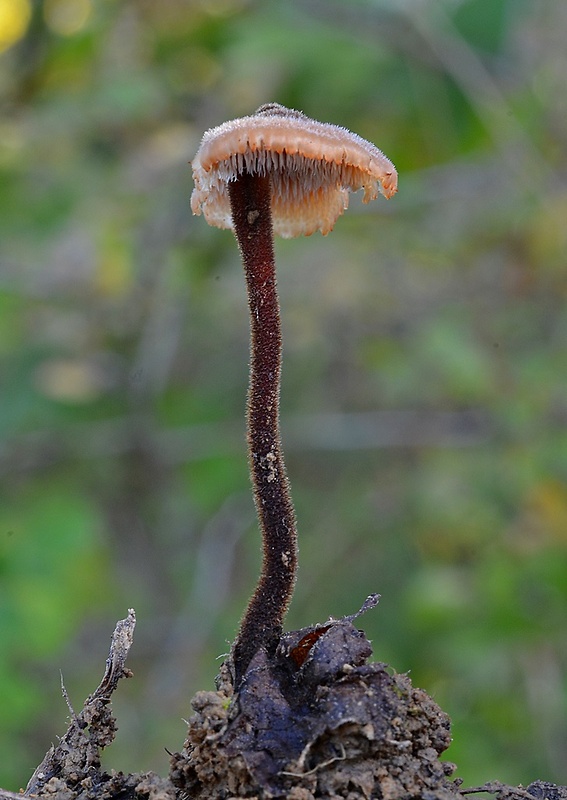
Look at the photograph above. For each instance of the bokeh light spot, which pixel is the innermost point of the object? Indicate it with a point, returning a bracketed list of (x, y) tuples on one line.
[(15, 16), (67, 17)]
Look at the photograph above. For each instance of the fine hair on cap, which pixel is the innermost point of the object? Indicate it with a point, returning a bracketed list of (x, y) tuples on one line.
[(312, 168)]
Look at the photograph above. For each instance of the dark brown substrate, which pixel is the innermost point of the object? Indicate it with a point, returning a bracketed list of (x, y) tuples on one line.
[(315, 720)]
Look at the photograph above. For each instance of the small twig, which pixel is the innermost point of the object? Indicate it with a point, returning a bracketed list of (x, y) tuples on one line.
[(90, 731), (67, 699), (122, 639), (317, 767), (503, 791), (370, 602)]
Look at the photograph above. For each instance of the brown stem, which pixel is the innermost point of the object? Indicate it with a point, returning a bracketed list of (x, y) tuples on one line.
[(262, 622)]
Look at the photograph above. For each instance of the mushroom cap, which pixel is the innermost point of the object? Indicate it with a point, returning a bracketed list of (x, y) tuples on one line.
[(312, 167)]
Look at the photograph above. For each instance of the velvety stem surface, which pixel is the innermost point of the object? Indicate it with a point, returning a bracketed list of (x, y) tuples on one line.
[(262, 621)]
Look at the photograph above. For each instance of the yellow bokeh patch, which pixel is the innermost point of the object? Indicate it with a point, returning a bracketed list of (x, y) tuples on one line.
[(15, 17)]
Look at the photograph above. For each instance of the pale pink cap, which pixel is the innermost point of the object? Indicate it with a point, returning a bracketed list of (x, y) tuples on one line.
[(312, 167)]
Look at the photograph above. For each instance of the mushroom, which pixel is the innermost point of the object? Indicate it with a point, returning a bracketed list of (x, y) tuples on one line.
[(276, 171)]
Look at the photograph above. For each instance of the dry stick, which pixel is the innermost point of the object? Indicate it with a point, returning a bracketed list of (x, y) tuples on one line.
[(78, 752), (262, 622)]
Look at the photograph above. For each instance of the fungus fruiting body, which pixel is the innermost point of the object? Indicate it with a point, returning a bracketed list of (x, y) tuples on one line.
[(276, 171), (312, 166)]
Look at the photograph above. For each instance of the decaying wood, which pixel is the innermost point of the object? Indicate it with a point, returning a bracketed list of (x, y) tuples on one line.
[(78, 753)]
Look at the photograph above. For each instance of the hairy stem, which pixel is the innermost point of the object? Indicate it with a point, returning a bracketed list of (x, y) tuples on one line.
[(262, 622)]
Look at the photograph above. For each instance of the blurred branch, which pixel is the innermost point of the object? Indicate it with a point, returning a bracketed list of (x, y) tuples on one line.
[(332, 431), (428, 34), (209, 591), (379, 429), (482, 90)]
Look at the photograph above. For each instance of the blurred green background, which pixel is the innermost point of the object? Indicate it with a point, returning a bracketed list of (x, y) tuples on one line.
[(424, 403)]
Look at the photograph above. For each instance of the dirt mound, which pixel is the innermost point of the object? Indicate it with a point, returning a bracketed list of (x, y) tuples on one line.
[(315, 720)]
